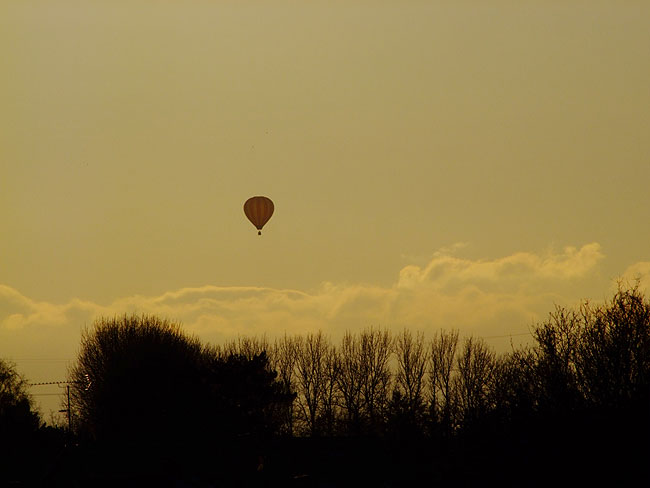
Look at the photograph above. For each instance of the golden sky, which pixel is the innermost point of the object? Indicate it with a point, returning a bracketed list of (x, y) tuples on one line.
[(457, 164)]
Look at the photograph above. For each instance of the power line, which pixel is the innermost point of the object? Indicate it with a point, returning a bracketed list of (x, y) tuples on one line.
[(507, 335), (54, 383), (43, 359), (67, 384)]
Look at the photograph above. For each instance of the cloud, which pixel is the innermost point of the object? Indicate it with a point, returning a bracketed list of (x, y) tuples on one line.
[(491, 295), (18, 311), (478, 296), (446, 271)]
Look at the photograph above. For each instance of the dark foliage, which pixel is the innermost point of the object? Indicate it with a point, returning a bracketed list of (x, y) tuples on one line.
[(244, 398), (137, 379), (146, 395), (579, 402), (19, 422), (17, 416), (574, 408)]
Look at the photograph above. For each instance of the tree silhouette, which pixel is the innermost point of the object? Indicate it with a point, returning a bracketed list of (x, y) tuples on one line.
[(560, 403), (19, 422), (17, 415), (350, 381), (411, 368), (311, 354), (136, 379), (140, 379), (243, 397), (613, 357), (476, 366), (441, 384), (406, 408), (595, 357), (375, 353), (580, 398), (283, 360), (331, 396)]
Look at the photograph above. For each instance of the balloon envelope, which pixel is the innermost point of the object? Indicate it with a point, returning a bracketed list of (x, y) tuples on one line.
[(259, 211)]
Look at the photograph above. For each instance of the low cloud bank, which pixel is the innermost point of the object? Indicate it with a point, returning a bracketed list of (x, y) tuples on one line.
[(483, 297)]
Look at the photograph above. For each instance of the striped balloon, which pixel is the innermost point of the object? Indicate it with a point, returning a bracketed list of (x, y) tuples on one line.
[(259, 211)]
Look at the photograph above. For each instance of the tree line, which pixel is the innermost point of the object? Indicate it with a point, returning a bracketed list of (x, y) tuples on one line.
[(142, 387), (372, 381), (138, 370)]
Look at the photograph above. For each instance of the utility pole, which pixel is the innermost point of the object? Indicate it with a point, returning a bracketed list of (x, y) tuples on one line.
[(68, 409), (69, 412)]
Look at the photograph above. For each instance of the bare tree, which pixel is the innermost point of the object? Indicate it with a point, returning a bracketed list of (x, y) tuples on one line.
[(229, 348), (558, 339), (613, 355), (441, 362), (375, 351), (311, 374), (350, 380), (412, 359), (331, 394), (283, 359), (516, 385), (476, 366), (246, 346)]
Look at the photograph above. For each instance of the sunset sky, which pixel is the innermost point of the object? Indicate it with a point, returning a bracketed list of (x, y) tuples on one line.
[(433, 164)]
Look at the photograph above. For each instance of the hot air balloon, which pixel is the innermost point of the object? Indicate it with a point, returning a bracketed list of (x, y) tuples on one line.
[(259, 211)]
